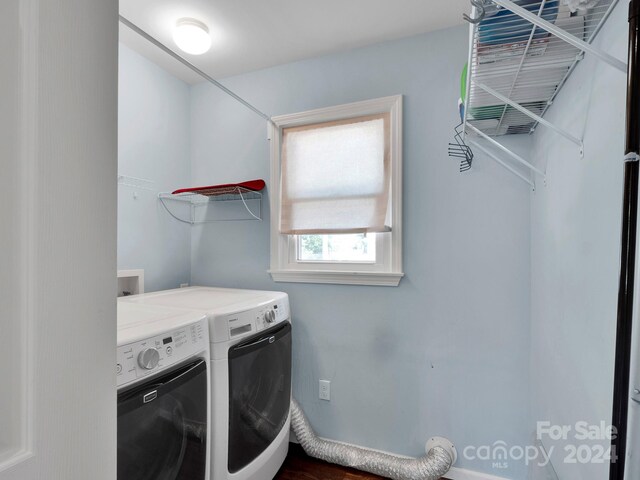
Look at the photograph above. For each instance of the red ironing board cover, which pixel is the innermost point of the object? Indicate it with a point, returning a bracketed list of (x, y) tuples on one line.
[(227, 188)]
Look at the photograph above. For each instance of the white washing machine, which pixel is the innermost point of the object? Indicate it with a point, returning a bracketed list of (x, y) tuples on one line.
[(163, 393), (250, 334)]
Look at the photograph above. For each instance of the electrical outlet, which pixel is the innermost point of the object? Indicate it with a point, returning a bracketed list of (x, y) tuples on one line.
[(325, 390)]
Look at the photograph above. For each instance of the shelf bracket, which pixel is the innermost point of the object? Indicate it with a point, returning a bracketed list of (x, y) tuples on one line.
[(494, 157), (530, 114), (562, 34), (497, 144)]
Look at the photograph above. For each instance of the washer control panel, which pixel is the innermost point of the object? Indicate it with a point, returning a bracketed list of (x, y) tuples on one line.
[(139, 359)]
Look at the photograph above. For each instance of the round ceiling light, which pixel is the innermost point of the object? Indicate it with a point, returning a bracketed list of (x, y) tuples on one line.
[(192, 36)]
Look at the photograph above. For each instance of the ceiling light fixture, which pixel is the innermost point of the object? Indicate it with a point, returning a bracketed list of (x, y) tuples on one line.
[(192, 36)]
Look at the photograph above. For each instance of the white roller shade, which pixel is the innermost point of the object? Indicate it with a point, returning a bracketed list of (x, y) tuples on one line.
[(335, 176)]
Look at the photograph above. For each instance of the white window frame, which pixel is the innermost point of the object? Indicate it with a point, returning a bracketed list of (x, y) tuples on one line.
[(387, 270)]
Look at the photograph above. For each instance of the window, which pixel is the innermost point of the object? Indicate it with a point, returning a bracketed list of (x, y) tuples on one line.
[(336, 194)]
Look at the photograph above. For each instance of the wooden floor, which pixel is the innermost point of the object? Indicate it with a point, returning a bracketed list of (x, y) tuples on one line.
[(299, 466)]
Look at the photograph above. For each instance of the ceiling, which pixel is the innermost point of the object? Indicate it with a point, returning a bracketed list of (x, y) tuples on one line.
[(253, 34)]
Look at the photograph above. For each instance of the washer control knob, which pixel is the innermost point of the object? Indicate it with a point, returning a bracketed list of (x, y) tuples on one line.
[(148, 358), (270, 316)]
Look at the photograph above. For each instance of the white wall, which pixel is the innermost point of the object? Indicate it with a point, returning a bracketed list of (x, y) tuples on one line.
[(447, 352), (575, 231), (153, 136)]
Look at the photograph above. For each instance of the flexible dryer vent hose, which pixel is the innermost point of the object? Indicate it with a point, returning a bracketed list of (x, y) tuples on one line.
[(440, 455)]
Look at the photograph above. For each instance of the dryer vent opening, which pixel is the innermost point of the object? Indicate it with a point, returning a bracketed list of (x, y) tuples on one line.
[(440, 456)]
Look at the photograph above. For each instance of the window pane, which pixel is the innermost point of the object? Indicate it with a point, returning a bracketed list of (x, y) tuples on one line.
[(358, 247)]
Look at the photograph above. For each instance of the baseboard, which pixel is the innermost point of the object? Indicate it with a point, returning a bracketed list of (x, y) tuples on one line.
[(456, 473)]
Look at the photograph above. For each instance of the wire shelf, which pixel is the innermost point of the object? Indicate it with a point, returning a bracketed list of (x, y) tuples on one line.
[(524, 63), (521, 53), (242, 204), (136, 183)]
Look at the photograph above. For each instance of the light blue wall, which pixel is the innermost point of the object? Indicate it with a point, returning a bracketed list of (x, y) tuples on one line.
[(575, 228), (447, 352), (153, 143)]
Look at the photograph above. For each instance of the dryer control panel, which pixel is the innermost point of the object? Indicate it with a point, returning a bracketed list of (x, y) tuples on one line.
[(235, 326), (146, 357)]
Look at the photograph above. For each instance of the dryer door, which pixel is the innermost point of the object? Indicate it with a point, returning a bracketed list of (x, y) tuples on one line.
[(259, 393), (162, 427)]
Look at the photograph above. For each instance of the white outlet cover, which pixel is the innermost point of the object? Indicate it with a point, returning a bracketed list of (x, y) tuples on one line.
[(325, 390)]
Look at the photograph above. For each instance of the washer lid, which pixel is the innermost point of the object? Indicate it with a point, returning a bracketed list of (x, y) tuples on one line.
[(138, 321)]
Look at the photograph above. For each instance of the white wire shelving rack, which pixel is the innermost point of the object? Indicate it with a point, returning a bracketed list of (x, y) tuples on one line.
[(136, 183), (520, 55), (202, 208)]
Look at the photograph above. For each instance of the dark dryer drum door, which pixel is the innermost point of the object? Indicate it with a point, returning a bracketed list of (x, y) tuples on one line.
[(259, 393), (162, 427)]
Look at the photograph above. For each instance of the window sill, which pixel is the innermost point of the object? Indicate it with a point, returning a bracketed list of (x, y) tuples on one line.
[(337, 277)]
